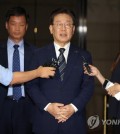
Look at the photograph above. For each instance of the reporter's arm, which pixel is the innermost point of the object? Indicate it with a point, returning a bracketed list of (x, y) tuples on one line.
[(95, 72), (6, 76), (43, 72), (21, 77), (100, 77)]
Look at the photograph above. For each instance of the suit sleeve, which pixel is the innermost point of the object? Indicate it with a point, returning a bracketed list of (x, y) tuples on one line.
[(86, 87), (33, 87), (5, 76)]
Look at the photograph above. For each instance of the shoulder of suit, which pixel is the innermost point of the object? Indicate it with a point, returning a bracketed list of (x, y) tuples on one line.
[(80, 50), (3, 44), (30, 46)]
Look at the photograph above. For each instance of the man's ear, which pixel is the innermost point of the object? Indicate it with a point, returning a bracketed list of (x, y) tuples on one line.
[(6, 25), (26, 27), (51, 29), (73, 29)]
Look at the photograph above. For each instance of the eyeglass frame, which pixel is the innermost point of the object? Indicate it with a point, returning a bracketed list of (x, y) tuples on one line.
[(60, 25)]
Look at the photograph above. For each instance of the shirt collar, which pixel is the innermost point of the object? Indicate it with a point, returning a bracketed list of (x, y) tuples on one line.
[(10, 43), (57, 47)]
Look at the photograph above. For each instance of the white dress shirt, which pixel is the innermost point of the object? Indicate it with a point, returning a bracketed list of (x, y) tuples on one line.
[(10, 50)]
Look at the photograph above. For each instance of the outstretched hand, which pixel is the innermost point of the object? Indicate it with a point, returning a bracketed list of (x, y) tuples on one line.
[(94, 71), (45, 72)]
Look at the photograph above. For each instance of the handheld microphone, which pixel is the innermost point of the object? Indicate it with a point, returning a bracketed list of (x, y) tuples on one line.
[(86, 64), (52, 63)]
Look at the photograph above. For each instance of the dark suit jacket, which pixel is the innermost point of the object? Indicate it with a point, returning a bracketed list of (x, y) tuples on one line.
[(28, 54), (114, 105), (76, 88)]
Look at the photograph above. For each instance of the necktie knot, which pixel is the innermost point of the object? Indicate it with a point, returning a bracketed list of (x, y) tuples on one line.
[(62, 50), (16, 46)]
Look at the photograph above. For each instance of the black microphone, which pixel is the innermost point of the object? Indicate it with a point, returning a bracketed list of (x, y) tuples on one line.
[(86, 64), (51, 63)]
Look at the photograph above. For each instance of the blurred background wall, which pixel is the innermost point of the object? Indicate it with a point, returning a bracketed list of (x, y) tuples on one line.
[(98, 31)]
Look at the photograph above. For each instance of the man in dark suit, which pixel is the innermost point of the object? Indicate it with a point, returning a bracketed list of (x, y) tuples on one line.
[(14, 113), (60, 101)]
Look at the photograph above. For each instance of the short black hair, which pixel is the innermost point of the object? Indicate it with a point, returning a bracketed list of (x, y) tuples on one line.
[(17, 11), (62, 10)]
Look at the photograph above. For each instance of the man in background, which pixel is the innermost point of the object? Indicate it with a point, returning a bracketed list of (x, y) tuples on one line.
[(16, 55)]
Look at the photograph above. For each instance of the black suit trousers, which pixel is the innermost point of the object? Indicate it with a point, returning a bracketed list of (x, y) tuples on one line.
[(15, 119)]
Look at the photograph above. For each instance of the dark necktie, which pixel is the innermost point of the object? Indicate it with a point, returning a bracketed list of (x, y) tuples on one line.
[(16, 67), (62, 63)]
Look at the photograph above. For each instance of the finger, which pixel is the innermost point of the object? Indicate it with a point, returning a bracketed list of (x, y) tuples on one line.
[(52, 74), (59, 116), (110, 94), (52, 68), (61, 120), (60, 104)]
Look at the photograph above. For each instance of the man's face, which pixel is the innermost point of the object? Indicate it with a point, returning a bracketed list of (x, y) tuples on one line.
[(16, 27), (62, 29)]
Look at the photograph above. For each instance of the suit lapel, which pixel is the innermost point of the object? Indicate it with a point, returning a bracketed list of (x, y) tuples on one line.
[(4, 55), (28, 53), (52, 54), (71, 61)]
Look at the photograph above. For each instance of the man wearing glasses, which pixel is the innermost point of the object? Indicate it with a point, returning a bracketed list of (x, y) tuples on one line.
[(60, 101)]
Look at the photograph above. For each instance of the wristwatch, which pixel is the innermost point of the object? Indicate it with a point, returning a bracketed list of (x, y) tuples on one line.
[(105, 83)]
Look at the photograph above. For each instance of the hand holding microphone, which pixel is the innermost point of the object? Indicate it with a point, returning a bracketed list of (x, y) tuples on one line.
[(86, 65), (52, 63), (111, 88)]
